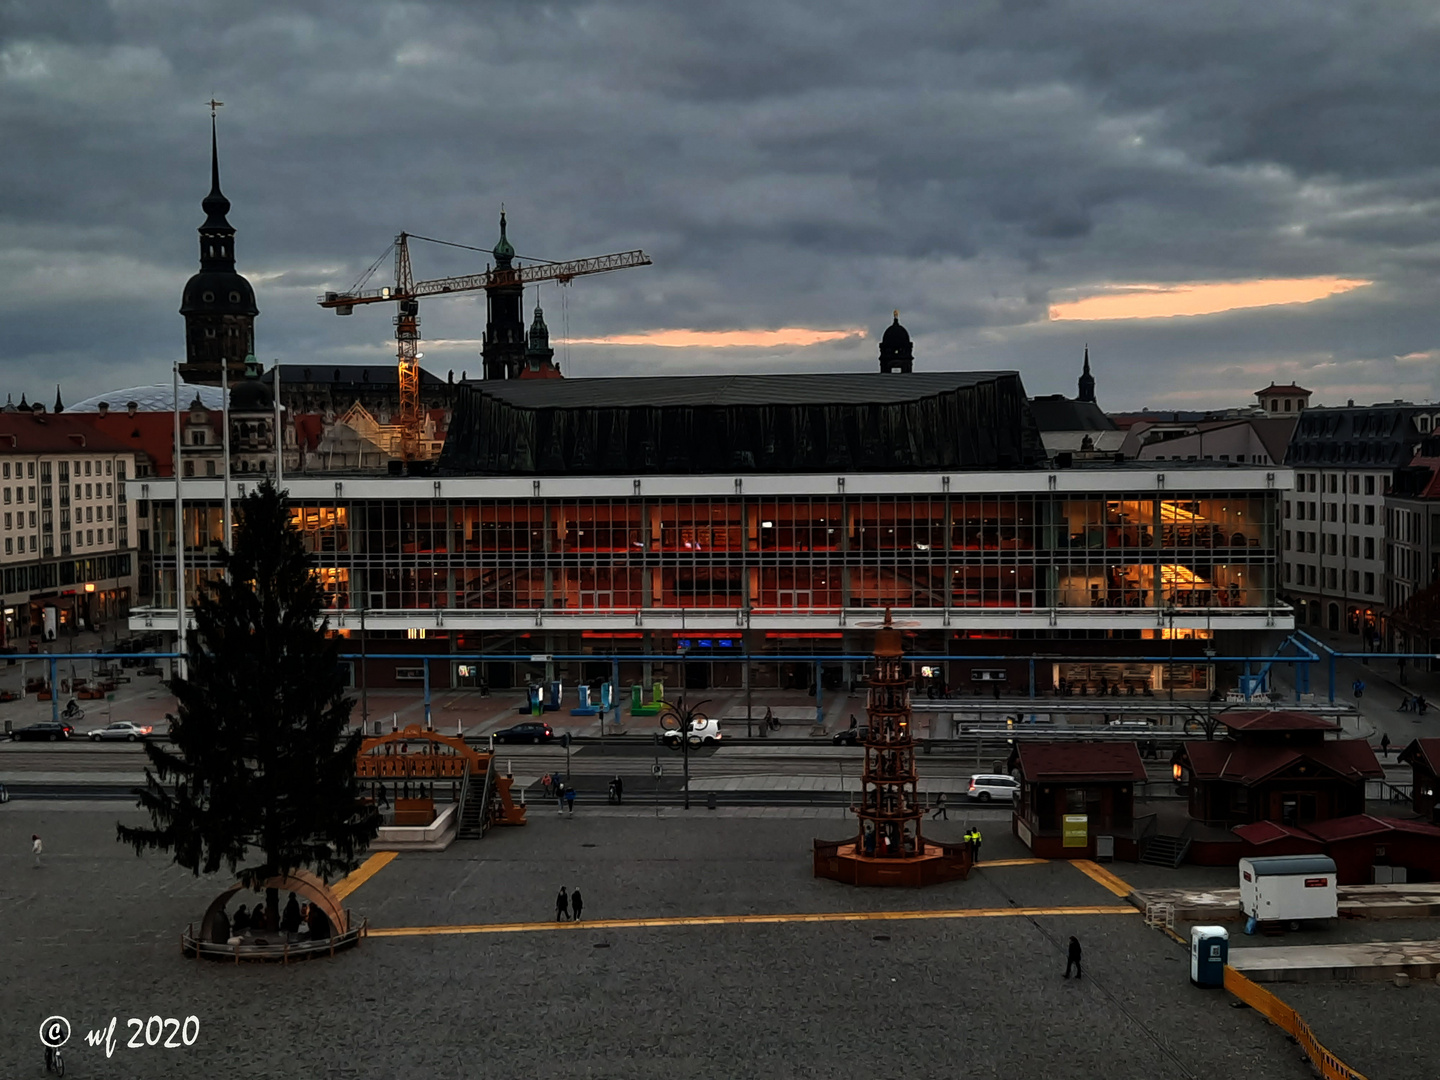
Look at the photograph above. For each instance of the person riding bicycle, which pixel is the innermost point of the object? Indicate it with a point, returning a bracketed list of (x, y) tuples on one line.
[(71, 708)]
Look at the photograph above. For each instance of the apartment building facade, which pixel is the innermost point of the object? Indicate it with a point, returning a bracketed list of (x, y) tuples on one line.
[(1334, 523), (67, 549)]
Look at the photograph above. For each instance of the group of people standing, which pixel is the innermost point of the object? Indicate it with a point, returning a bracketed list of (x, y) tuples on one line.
[(305, 920), (563, 793)]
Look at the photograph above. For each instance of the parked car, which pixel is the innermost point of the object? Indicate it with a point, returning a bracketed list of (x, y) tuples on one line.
[(851, 736), (1141, 723), (123, 730), (987, 786), (706, 732), (530, 732), (45, 731)]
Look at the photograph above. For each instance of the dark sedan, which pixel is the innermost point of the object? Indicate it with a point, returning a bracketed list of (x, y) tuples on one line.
[(851, 736), (45, 731), (526, 733)]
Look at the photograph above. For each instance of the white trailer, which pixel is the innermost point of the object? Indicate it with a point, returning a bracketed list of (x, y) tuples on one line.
[(1288, 888)]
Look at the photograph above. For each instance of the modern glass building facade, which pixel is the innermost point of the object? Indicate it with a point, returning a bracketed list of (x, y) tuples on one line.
[(1117, 549)]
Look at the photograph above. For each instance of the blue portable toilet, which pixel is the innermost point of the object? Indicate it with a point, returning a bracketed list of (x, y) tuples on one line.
[(1209, 953)]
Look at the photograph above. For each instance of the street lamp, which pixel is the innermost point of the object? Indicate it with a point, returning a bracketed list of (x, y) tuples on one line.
[(683, 719)]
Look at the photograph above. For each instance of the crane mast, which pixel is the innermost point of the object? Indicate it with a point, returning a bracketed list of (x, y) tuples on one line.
[(406, 293)]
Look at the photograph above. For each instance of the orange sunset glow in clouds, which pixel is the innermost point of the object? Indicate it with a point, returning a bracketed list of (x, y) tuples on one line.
[(725, 339), (1201, 298)]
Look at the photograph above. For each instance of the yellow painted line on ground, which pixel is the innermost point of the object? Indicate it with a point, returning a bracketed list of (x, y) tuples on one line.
[(1104, 877), (363, 873), (1009, 862), (733, 920)]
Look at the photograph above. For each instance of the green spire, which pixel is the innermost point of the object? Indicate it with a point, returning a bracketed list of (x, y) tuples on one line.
[(503, 251)]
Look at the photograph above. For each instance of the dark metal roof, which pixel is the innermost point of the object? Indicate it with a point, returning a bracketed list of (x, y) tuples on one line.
[(1055, 412), (737, 424), (1377, 436), (724, 390)]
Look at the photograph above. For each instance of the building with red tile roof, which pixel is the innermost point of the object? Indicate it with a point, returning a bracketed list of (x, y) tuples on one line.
[(1073, 793)]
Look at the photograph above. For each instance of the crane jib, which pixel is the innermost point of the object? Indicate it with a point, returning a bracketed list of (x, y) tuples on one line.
[(524, 275)]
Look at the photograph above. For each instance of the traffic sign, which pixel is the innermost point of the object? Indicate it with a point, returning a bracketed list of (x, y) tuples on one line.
[(657, 770)]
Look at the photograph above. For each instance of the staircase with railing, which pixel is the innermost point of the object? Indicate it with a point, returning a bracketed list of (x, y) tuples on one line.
[(1162, 849), (475, 812)]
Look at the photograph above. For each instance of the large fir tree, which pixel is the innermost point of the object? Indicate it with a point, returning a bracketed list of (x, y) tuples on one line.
[(260, 777)]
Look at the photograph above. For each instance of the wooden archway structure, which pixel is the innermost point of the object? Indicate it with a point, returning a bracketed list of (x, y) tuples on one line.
[(301, 882), (402, 763)]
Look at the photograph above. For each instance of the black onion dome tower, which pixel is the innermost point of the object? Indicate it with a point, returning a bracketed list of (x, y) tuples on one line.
[(218, 304), (889, 847), (897, 351)]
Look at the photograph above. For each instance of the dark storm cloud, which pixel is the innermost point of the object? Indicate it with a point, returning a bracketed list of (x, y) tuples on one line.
[(785, 164)]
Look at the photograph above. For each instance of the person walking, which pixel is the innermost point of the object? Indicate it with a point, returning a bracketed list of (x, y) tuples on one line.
[(1385, 744), (619, 790), (577, 903), (559, 796), (976, 845), (1072, 958), (570, 801), (36, 848), (940, 811), (562, 905)]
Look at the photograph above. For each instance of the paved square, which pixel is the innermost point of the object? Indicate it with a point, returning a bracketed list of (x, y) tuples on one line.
[(94, 933)]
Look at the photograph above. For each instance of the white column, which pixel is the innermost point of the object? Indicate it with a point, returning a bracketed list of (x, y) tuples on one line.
[(180, 634), (225, 443)]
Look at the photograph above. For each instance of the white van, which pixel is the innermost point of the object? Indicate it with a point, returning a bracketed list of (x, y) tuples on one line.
[(705, 732)]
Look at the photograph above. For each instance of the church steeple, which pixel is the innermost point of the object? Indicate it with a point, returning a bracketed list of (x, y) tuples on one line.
[(504, 253), (1087, 381), (218, 304), (503, 350), (539, 356)]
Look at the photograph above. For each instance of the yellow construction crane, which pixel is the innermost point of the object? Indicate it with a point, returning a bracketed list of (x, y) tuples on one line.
[(406, 293)]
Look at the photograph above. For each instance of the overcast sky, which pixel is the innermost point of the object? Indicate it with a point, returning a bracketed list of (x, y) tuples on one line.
[(788, 166)]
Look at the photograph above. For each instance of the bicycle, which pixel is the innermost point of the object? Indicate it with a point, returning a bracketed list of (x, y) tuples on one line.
[(54, 1062), (72, 711)]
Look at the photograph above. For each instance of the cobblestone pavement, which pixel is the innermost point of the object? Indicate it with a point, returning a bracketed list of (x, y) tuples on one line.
[(1384, 1031), (94, 933)]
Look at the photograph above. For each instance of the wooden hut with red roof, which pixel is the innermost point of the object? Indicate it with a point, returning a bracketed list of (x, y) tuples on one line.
[(1072, 793), (1276, 766), (1366, 849), (1423, 757)]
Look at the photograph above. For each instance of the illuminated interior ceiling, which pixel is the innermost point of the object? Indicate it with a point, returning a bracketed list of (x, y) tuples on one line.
[(1174, 574), (1174, 512)]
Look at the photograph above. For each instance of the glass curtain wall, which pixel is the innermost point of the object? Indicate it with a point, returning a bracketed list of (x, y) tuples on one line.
[(805, 554)]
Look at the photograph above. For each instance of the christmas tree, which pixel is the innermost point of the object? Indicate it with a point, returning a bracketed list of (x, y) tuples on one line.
[(260, 774)]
